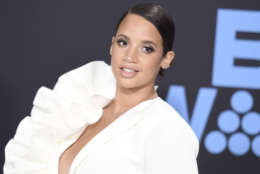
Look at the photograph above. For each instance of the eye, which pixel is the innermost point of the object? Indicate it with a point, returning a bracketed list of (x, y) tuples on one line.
[(148, 49), (121, 42)]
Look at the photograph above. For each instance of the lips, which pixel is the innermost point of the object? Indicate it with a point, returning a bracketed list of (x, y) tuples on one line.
[(128, 72)]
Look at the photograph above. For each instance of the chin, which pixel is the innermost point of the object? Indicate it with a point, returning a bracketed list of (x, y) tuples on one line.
[(128, 84), (133, 84)]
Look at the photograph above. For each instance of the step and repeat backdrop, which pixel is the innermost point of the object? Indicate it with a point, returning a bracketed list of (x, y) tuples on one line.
[(214, 82)]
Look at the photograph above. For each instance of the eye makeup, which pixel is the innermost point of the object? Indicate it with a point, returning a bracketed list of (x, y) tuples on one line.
[(148, 49), (121, 42)]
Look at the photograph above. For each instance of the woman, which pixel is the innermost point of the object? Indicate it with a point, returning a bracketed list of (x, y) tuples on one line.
[(109, 119)]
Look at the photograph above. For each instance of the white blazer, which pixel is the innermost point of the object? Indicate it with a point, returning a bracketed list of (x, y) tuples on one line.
[(150, 138)]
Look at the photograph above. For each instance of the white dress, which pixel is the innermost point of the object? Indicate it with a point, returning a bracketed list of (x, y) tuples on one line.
[(150, 138)]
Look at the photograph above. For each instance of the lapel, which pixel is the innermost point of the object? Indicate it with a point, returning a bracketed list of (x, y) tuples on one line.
[(122, 124)]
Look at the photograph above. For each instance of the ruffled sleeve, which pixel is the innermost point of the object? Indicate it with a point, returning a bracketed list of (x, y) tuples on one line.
[(57, 114)]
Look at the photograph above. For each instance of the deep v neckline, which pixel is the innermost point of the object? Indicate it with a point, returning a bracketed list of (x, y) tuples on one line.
[(107, 132)]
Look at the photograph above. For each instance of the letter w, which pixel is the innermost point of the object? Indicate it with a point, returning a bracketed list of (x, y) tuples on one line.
[(176, 97)]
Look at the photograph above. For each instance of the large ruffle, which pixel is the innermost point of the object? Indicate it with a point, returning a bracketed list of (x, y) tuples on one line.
[(57, 114)]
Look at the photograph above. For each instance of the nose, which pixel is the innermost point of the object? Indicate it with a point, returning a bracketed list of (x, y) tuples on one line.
[(131, 55)]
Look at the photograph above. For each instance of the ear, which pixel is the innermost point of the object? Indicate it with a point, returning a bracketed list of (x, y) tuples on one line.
[(113, 39), (167, 59)]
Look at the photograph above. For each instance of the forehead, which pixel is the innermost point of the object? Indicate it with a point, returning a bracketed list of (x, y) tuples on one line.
[(137, 27)]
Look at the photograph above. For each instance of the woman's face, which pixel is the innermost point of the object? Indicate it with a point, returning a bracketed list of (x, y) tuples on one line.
[(136, 53)]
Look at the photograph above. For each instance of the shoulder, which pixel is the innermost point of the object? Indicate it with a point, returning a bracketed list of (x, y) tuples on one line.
[(170, 146), (88, 69), (163, 122), (95, 77), (57, 115), (161, 113)]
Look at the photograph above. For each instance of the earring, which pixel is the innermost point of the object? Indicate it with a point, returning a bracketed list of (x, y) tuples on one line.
[(110, 52)]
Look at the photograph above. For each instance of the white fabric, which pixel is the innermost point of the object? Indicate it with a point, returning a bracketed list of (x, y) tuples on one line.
[(150, 138)]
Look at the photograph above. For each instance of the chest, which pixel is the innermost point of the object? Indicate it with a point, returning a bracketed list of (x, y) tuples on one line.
[(71, 152), (123, 151), (122, 145), (122, 154)]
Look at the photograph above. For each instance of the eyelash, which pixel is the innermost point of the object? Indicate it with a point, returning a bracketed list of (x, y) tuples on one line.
[(149, 48), (121, 40)]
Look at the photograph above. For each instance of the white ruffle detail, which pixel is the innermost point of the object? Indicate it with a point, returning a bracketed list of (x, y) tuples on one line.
[(76, 101)]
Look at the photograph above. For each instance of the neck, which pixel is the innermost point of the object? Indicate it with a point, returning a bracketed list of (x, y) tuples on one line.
[(126, 98)]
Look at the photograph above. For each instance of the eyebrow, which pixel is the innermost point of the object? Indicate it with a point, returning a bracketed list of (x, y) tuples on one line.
[(144, 41)]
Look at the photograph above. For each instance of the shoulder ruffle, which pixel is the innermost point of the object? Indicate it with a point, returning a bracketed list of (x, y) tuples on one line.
[(57, 114)]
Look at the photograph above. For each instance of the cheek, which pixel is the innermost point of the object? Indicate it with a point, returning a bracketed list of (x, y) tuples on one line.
[(115, 60), (152, 64), (117, 54), (114, 55), (114, 64)]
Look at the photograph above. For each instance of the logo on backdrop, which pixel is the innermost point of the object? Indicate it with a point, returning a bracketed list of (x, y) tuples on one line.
[(235, 65)]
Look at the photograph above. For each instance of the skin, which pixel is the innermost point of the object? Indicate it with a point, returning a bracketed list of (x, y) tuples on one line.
[(137, 36), (139, 45)]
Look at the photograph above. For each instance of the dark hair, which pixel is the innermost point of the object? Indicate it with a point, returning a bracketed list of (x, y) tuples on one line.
[(159, 17)]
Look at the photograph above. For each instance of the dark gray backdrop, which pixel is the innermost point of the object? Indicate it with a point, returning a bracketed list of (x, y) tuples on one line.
[(41, 39)]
